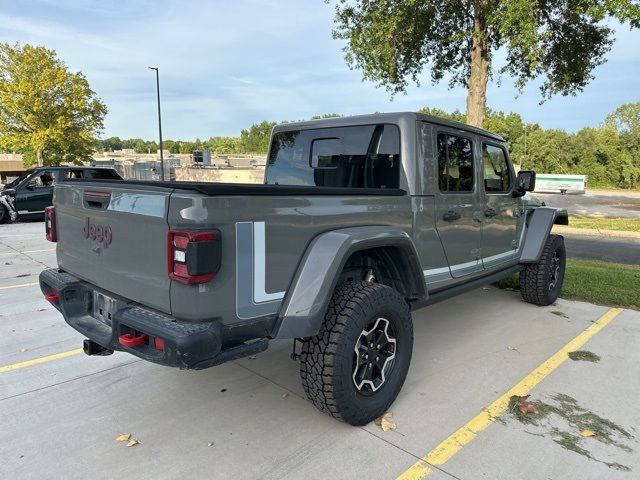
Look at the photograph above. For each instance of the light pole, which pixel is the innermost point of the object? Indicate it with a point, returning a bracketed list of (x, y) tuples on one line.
[(159, 121)]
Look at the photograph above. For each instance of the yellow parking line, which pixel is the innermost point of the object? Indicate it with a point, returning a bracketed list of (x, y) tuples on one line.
[(40, 360), (454, 443), (19, 285)]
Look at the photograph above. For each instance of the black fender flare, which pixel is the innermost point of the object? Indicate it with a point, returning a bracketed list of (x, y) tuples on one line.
[(307, 298), (538, 227)]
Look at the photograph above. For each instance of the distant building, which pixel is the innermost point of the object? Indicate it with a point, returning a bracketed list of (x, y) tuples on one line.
[(202, 157), (11, 167)]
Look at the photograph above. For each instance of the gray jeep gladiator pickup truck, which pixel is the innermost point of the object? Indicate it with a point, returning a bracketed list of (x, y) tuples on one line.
[(360, 221)]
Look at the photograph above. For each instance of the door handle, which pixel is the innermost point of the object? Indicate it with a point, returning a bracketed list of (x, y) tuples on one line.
[(450, 216), (490, 212)]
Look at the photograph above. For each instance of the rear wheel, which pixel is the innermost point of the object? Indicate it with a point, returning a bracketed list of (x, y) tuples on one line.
[(356, 365), (540, 283)]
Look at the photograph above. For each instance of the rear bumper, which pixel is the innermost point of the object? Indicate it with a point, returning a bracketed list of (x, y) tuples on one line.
[(166, 341)]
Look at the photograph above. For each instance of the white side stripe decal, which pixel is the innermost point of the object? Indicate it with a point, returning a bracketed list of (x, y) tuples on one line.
[(259, 267)]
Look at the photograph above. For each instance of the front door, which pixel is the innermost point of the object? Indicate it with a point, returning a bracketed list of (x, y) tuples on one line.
[(36, 193), (457, 202), (499, 239)]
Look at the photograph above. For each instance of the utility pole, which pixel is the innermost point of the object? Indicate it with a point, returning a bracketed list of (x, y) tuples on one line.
[(159, 121)]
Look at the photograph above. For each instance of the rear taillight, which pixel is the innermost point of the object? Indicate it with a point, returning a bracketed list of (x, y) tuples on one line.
[(193, 257), (50, 224)]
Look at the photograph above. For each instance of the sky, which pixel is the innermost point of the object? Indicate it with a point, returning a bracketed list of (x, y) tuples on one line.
[(227, 64)]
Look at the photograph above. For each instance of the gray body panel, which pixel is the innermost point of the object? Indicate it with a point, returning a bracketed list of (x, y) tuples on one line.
[(315, 280), (134, 264), (283, 228), (282, 253)]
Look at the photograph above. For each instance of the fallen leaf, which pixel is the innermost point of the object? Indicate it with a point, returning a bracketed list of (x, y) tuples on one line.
[(513, 349), (210, 444), (385, 422), (387, 425), (588, 433), (24, 350), (525, 407), (123, 438), (133, 442), (285, 395)]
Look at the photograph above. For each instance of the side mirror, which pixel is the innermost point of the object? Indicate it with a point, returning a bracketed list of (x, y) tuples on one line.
[(525, 182), (31, 185)]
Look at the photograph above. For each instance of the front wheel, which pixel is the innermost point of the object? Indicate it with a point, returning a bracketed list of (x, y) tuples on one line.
[(356, 365), (540, 283), (5, 217)]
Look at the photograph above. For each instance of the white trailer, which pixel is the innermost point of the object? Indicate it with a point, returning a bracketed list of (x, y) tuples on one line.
[(559, 183)]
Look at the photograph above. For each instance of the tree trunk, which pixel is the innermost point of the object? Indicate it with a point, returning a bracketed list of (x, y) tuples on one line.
[(39, 157), (479, 72)]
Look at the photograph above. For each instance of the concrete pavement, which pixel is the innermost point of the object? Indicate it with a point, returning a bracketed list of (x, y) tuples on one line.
[(60, 418)]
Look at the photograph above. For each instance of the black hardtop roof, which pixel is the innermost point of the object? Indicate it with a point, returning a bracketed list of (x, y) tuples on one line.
[(69, 167), (374, 118)]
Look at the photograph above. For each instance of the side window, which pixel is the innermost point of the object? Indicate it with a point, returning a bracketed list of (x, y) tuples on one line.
[(366, 156), (44, 179), (497, 177), (455, 164)]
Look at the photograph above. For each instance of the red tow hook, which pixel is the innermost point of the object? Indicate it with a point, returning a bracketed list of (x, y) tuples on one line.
[(128, 341), (52, 297)]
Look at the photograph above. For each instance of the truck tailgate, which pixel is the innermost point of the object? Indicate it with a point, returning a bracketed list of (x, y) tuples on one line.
[(115, 237)]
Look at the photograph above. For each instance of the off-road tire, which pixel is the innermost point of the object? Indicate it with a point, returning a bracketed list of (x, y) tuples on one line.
[(537, 278), (5, 217), (327, 359)]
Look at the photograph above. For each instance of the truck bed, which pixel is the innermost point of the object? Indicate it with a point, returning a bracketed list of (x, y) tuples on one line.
[(243, 189)]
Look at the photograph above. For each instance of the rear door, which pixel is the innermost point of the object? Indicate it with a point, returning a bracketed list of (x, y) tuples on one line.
[(457, 199), (116, 238), (499, 240)]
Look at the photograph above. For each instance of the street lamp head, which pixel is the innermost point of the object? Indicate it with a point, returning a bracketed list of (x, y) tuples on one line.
[(153, 68)]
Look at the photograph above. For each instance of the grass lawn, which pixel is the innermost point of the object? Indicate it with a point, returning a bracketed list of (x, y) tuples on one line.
[(596, 282), (605, 223)]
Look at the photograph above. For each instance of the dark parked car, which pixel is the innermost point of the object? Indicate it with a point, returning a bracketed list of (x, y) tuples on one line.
[(27, 196)]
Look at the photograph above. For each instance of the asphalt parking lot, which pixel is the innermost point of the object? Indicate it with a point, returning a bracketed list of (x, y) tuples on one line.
[(61, 411), (606, 203)]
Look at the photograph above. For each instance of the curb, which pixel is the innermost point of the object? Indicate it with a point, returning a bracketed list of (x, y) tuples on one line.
[(594, 232)]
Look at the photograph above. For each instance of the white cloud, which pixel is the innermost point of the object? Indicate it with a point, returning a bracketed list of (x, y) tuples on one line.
[(225, 65)]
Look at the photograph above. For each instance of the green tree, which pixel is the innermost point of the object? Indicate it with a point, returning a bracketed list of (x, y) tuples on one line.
[(224, 145), (110, 144), (455, 116), (392, 41), (625, 118), (46, 111), (326, 115), (256, 138)]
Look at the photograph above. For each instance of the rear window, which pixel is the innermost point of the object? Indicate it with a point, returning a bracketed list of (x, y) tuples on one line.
[(455, 163), (99, 173), (350, 157)]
